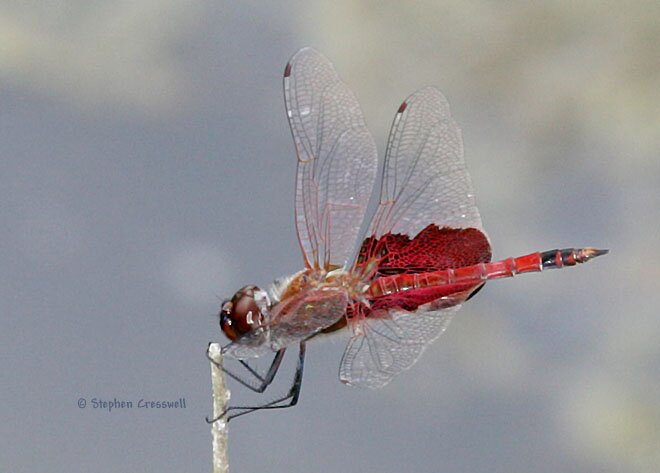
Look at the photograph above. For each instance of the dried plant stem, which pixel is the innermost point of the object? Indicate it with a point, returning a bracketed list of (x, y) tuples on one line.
[(220, 400)]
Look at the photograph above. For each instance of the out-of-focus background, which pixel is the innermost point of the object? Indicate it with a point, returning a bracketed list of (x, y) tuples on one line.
[(146, 172)]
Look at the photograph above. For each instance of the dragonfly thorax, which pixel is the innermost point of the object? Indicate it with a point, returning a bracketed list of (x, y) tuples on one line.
[(307, 279)]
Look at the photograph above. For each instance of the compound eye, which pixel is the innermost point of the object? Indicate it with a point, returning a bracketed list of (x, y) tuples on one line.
[(226, 324), (243, 312)]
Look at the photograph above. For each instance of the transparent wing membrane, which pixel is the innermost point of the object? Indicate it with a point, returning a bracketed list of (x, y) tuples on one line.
[(385, 347), (424, 182), (337, 159), (424, 178)]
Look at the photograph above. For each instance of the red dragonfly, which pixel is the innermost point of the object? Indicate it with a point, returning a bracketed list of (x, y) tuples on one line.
[(425, 251)]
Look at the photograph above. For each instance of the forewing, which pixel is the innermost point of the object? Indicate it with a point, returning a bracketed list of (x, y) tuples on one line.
[(292, 321), (424, 180), (337, 159), (383, 347)]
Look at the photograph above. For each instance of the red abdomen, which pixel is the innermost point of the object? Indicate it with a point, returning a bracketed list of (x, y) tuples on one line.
[(454, 281)]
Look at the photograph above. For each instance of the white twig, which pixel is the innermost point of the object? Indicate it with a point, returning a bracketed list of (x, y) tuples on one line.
[(220, 400)]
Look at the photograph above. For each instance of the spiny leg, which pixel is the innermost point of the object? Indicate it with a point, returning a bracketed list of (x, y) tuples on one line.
[(292, 395), (264, 380)]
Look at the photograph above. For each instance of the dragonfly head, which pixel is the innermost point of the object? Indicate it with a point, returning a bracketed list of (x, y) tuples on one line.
[(244, 312)]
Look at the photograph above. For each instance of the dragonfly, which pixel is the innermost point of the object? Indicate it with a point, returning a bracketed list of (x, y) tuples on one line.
[(393, 280)]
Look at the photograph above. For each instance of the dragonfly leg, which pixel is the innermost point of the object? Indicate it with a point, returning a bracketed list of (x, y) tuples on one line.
[(288, 400), (263, 380)]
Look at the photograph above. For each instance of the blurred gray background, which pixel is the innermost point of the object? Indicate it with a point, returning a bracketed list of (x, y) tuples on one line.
[(146, 172)]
